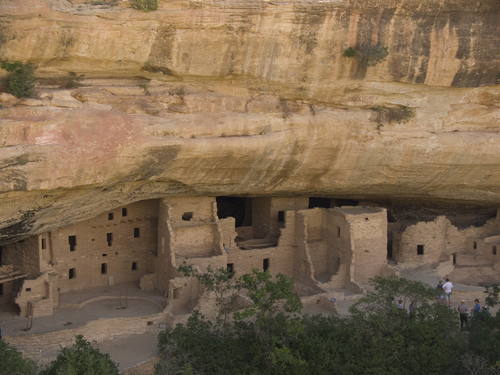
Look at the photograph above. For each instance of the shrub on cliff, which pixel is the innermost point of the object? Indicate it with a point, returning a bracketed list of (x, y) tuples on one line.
[(369, 55), (145, 5), (21, 80), (81, 359), (13, 363)]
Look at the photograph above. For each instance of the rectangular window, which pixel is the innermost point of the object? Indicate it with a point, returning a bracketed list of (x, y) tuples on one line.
[(72, 243), (281, 216), (338, 232), (109, 238), (230, 267), (104, 268), (420, 249), (1, 256), (110, 216), (187, 216), (43, 244), (137, 232), (72, 273), (474, 245), (265, 264), (1, 289), (134, 266), (494, 250), (124, 212)]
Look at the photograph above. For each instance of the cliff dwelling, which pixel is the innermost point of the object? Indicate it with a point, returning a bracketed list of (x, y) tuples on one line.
[(132, 253), (329, 141)]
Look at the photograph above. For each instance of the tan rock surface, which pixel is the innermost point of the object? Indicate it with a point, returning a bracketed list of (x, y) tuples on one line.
[(247, 97)]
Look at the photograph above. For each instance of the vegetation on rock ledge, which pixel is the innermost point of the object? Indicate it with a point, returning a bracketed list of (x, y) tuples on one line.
[(21, 80), (146, 5)]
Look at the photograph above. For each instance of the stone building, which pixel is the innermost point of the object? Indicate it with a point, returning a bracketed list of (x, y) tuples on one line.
[(145, 242)]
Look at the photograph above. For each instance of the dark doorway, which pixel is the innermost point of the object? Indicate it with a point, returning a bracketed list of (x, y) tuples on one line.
[(493, 251), (265, 264), (345, 202), (72, 243), (454, 258), (230, 268), (420, 249), (124, 212), (320, 202), (238, 207), (389, 247), (109, 238), (104, 268), (1, 256)]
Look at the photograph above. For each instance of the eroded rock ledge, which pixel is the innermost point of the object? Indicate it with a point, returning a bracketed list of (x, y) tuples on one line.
[(247, 98)]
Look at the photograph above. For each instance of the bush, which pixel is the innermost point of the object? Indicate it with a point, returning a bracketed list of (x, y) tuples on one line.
[(13, 363), (81, 359), (146, 5), (399, 113), (370, 55), (21, 81)]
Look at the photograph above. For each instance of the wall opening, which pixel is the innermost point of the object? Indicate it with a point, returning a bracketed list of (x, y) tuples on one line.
[(238, 207), (43, 244), (72, 273), (1, 256), (281, 218), (454, 257), (137, 232), (124, 212), (110, 216), (389, 246), (72, 243), (474, 245), (28, 289), (420, 249), (134, 266), (104, 268), (345, 202), (1, 289), (187, 216), (494, 250), (265, 264), (320, 202), (109, 238), (230, 268), (338, 232)]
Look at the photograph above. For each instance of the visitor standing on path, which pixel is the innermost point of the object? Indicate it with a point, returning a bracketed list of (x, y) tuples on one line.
[(477, 308), (462, 309), (448, 287)]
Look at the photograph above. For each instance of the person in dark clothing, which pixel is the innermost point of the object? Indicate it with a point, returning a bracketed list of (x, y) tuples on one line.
[(464, 317)]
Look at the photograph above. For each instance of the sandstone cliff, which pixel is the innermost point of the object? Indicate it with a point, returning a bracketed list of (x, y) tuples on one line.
[(247, 97)]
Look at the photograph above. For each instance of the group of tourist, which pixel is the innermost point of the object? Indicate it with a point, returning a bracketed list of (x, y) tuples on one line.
[(462, 308)]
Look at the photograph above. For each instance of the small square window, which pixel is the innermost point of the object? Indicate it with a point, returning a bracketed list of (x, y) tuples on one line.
[(134, 266), (137, 232), (187, 216), (111, 216), (104, 268), (420, 249), (124, 212), (72, 243), (72, 273)]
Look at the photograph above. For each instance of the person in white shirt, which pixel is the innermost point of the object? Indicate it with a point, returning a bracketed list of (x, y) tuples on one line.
[(448, 287)]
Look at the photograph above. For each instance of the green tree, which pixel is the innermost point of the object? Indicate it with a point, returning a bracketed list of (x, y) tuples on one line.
[(13, 363), (21, 80), (81, 359)]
